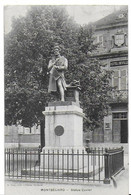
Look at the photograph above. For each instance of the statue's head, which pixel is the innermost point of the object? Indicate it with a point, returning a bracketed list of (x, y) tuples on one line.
[(56, 50)]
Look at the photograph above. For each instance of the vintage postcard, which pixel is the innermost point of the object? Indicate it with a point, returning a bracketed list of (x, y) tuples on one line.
[(66, 99)]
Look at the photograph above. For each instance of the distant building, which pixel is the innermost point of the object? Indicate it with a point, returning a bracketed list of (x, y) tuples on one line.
[(112, 35), (22, 137)]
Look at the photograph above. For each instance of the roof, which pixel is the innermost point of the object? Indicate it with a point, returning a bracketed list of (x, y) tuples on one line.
[(120, 16)]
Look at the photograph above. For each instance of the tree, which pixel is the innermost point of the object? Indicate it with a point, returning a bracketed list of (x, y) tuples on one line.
[(28, 48), (94, 79)]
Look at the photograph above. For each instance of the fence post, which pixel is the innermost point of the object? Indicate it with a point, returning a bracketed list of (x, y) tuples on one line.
[(39, 153), (107, 167), (25, 159), (122, 157)]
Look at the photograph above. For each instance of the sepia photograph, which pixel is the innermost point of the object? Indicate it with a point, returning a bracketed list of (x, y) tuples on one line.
[(66, 99)]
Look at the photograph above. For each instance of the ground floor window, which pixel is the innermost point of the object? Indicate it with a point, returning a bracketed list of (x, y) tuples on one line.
[(120, 115), (120, 127)]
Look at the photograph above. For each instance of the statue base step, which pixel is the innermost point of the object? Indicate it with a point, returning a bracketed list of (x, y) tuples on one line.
[(65, 158)]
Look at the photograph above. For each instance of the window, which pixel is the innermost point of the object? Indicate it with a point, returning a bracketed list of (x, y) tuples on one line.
[(116, 79), (27, 130), (116, 115), (99, 39), (119, 79), (123, 115), (123, 79), (121, 15), (120, 115), (32, 130), (20, 129)]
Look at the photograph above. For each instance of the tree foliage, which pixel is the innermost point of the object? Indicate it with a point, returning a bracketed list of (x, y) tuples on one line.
[(28, 48)]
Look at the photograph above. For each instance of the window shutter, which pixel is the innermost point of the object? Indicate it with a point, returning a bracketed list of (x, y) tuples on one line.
[(123, 79), (116, 79)]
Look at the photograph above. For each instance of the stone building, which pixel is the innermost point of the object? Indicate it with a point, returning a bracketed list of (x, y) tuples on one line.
[(112, 35), (22, 137)]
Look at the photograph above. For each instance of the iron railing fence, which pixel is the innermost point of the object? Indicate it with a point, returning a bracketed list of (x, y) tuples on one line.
[(85, 165), (66, 164), (114, 162)]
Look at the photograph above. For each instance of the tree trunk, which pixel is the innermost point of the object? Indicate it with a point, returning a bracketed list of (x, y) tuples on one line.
[(42, 133)]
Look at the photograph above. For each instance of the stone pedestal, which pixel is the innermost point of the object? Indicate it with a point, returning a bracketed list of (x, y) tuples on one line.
[(63, 125), (63, 134)]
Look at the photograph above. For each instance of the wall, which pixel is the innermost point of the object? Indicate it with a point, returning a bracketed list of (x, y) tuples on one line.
[(18, 136)]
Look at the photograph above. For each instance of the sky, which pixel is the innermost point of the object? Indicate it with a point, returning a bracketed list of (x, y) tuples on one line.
[(83, 14)]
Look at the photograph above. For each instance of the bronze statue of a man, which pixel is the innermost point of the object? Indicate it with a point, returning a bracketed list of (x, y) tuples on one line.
[(57, 66)]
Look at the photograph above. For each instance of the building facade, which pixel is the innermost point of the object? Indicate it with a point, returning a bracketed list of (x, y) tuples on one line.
[(22, 137), (112, 35)]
